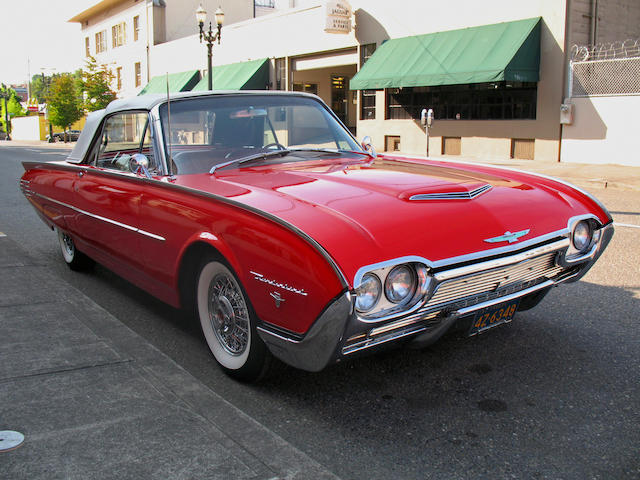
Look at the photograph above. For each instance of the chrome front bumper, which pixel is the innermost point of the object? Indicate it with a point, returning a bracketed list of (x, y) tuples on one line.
[(458, 293)]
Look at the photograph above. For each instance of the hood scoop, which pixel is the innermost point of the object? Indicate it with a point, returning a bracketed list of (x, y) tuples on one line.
[(459, 194)]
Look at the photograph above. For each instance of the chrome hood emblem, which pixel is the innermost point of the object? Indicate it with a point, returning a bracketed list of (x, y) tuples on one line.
[(507, 237)]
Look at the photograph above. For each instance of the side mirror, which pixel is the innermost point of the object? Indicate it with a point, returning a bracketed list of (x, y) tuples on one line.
[(367, 144), (139, 164)]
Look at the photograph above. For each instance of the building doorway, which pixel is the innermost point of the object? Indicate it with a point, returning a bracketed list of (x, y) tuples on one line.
[(339, 97)]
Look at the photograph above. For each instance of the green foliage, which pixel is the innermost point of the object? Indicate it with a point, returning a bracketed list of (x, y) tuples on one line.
[(65, 107), (95, 83), (39, 84), (13, 106)]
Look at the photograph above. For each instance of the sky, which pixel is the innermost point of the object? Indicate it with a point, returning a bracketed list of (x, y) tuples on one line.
[(37, 32)]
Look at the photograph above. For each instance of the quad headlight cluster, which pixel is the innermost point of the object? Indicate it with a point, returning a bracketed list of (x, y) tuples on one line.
[(584, 235), (388, 289)]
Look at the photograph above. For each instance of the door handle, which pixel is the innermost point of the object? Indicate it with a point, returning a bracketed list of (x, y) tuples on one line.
[(81, 174)]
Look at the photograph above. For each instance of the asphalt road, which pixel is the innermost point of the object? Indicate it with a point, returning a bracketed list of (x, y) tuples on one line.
[(555, 394)]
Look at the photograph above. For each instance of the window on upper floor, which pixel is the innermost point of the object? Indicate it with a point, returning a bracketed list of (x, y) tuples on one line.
[(119, 78), (118, 35), (138, 71), (87, 50), (101, 41), (136, 28)]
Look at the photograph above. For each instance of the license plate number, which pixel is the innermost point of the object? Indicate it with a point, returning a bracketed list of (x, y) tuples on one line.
[(493, 316)]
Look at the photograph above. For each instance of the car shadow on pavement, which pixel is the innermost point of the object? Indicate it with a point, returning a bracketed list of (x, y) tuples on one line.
[(549, 394)]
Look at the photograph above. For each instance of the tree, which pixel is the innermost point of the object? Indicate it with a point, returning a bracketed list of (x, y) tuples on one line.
[(95, 83), (9, 107), (38, 88), (64, 105)]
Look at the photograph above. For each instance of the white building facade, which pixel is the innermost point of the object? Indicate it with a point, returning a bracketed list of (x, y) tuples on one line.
[(498, 119)]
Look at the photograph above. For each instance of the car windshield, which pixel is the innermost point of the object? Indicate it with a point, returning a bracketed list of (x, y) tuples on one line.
[(204, 132)]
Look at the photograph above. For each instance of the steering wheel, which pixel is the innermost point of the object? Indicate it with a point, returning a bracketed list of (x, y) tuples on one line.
[(274, 144)]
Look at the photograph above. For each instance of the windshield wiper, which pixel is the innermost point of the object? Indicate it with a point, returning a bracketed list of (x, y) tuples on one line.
[(255, 156), (329, 150)]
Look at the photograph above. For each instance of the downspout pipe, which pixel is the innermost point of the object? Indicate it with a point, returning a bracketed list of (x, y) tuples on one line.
[(593, 30)]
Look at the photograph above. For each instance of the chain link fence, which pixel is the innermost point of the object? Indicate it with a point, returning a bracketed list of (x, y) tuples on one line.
[(605, 69)]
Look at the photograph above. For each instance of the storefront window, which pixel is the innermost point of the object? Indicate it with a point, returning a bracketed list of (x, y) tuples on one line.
[(478, 101)]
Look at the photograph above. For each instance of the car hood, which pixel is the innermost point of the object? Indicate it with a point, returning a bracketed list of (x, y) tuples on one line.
[(365, 212)]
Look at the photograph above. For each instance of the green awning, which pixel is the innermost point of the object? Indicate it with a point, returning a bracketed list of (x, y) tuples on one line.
[(251, 75), (178, 82), (507, 51)]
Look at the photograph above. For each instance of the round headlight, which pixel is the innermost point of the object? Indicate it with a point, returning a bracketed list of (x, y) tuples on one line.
[(400, 284), (368, 292), (582, 235)]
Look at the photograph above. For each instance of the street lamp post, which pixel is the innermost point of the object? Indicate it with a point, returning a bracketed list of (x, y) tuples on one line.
[(209, 36), (46, 84)]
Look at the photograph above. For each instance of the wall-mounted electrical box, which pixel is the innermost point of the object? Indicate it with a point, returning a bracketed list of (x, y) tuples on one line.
[(566, 113)]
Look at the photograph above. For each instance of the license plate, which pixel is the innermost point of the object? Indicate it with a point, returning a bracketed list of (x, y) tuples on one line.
[(493, 316)]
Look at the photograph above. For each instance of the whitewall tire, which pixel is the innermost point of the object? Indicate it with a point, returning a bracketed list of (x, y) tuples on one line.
[(228, 322), (72, 257)]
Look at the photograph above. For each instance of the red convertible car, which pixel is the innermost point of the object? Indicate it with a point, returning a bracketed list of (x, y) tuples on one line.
[(262, 213)]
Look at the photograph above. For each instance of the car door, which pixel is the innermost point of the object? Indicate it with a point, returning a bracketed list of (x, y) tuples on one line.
[(109, 193)]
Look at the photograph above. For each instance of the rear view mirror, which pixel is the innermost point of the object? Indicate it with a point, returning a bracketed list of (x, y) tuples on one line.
[(249, 113)]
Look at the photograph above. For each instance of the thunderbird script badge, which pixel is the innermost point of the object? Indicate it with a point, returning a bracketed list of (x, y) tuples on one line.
[(507, 237)]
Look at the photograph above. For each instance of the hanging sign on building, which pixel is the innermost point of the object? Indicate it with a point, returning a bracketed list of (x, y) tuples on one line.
[(338, 14)]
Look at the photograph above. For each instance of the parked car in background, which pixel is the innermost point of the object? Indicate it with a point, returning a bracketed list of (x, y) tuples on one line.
[(262, 214), (72, 136)]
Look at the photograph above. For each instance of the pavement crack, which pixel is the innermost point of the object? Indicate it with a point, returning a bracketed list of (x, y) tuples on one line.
[(64, 370)]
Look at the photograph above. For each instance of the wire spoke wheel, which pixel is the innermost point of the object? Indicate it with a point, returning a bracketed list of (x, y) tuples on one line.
[(229, 315), (228, 322)]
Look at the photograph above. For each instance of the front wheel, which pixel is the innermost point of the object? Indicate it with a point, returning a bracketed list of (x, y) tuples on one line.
[(73, 258), (228, 323)]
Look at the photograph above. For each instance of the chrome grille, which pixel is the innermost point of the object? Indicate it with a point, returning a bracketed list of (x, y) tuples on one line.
[(477, 284)]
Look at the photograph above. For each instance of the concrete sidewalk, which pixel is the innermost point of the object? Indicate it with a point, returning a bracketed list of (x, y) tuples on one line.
[(95, 400)]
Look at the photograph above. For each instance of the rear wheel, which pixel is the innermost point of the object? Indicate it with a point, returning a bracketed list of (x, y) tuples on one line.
[(76, 260), (228, 322)]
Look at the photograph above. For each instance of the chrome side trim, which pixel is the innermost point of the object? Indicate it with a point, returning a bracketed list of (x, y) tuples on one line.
[(103, 219), (465, 195), (165, 184)]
